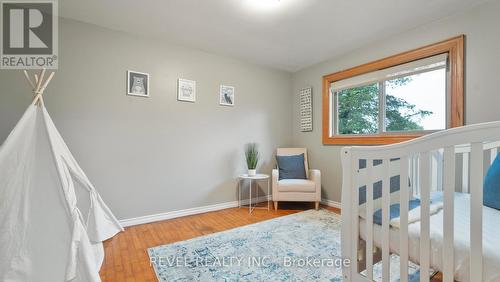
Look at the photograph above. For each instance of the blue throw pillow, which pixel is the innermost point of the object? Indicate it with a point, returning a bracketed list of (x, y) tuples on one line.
[(291, 167), (491, 186)]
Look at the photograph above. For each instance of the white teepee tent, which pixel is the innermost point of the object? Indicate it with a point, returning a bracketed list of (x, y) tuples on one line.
[(46, 231)]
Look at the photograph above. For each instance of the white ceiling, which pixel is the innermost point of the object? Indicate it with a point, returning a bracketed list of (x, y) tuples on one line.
[(290, 35)]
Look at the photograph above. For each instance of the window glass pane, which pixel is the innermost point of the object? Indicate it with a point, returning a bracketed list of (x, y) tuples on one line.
[(357, 110), (416, 102)]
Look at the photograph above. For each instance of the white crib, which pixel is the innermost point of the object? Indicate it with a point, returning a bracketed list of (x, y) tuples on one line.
[(453, 160)]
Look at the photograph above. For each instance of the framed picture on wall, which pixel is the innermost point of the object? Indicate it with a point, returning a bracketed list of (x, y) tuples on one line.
[(137, 83), (186, 90), (226, 95), (306, 109)]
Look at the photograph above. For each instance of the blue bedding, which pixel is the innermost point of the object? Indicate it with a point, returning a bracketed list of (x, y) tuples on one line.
[(394, 210)]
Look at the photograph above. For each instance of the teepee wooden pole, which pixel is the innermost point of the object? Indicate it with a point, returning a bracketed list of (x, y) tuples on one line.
[(29, 79), (36, 99), (40, 100), (40, 79), (39, 85), (46, 82)]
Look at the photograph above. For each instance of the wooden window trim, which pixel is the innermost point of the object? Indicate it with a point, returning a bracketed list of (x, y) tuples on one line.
[(455, 49)]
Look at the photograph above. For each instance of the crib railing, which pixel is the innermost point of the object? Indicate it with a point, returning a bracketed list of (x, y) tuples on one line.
[(463, 151), (469, 143)]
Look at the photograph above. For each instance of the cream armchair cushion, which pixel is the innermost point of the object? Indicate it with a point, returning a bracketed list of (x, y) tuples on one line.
[(297, 190), (296, 185)]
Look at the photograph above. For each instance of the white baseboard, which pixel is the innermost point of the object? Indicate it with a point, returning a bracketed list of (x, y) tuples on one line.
[(179, 213), (331, 203)]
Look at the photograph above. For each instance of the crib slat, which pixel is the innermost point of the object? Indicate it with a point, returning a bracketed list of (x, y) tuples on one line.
[(493, 154), (355, 213), (369, 220), (386, 201), (404, 194), (448, 220), (465, 173), (414, 173), (476, 212), (425, 182)]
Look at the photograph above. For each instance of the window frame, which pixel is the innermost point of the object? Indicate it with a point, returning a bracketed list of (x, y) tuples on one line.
[(454, 47)]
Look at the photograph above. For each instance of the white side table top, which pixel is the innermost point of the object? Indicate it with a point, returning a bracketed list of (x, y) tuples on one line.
[(257, 176)]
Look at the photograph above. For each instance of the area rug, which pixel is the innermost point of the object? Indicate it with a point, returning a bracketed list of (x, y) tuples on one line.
[(300, 247)]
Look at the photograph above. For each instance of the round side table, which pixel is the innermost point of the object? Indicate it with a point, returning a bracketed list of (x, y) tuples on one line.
[(252, 179)]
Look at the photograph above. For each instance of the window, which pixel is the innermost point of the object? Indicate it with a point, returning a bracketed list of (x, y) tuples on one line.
[(397, 98), (406, 98)]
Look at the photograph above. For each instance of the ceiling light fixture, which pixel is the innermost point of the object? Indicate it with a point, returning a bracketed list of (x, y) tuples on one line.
[(264, 5)]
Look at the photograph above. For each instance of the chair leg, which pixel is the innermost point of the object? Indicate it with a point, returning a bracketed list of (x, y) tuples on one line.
[(275, 205), (316, 205)]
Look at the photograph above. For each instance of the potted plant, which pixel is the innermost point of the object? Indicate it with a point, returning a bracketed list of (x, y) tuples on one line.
[(252, 156)]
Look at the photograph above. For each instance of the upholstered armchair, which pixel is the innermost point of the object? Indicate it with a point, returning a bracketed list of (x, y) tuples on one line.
[(296, 190)]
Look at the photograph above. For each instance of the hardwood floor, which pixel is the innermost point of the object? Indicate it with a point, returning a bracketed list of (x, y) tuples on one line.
[(126, 257)]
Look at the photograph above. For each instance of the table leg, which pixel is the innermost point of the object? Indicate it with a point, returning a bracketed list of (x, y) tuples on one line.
[(257, 192), (268, 194), (250, 198), (239, 193)]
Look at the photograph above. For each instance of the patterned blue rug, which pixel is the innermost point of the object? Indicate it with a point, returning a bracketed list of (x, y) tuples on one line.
[(300, 247)]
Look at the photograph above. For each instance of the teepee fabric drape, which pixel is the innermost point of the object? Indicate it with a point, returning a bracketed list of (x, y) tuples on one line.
[(43, 234)]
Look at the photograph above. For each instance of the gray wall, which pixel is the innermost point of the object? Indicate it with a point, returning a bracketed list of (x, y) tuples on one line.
[(154, 155), (481, 27)]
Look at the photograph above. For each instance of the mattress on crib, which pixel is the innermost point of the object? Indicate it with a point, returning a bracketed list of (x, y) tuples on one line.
[(491, 239)]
